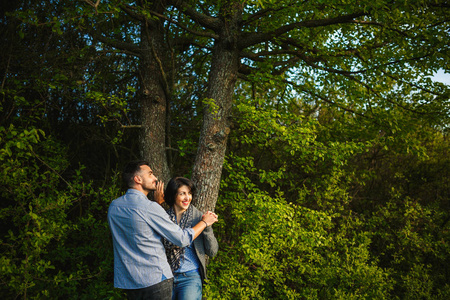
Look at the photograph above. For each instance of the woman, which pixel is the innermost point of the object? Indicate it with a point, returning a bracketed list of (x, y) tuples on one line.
[(188, 264)]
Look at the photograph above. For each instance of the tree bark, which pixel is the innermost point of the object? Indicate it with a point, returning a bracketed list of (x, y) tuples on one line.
[(155, 90), (210, 156)]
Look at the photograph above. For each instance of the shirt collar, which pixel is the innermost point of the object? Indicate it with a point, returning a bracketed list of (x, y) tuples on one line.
[(135, 192)]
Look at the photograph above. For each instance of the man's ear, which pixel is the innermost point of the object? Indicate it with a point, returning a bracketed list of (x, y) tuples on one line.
[(137, 179)]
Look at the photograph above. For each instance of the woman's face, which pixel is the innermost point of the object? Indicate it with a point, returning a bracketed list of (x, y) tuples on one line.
[(183, 198)]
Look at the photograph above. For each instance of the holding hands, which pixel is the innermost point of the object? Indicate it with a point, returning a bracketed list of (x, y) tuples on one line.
[(209, 218)]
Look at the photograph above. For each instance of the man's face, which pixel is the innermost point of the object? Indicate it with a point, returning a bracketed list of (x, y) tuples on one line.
[(148, 179)]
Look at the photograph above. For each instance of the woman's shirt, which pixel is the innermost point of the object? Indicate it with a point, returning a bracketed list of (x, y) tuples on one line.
[(190, 260)]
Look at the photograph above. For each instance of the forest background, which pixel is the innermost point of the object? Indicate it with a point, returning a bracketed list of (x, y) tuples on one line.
[(312, 128)]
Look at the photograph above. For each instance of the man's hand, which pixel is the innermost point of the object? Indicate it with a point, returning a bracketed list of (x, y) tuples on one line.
[(159, 193)]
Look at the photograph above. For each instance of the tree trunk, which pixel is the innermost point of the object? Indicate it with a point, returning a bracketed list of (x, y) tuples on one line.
[(210, 156), (154, 97)]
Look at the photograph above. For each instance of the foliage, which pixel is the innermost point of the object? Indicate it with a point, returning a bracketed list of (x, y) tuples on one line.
[(272, 249), (368, 228), (310, 169), (411, 224), (50, 247)]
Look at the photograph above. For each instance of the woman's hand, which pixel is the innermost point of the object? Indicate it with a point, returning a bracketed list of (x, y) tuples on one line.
[(209, 218)]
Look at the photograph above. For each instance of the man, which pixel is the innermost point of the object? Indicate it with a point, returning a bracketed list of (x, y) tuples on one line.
[(137, 227)]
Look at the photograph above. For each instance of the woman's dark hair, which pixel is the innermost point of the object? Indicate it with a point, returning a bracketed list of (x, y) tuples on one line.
[(172, 187), (130, 170)]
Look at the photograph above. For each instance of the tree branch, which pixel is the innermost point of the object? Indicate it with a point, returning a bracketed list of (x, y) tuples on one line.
[(197, 33), (130, 11), (206, 21), (250, 39), (94, 5), (127, 47), (263, 12)]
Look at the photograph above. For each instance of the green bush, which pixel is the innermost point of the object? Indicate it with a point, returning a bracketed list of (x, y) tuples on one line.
[(272, 249), (55, 241)]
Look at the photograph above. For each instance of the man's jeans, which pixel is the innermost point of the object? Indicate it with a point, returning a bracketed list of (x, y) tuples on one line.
[(187, 286), (159, 291)]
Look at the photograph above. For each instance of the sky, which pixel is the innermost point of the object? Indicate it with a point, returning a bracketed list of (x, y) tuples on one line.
[(442, 77)]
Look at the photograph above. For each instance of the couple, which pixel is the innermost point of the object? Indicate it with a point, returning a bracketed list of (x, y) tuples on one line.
[(143, 232)]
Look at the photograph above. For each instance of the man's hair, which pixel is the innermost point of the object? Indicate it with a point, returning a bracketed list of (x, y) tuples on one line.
[(172, 188), (131, 170)]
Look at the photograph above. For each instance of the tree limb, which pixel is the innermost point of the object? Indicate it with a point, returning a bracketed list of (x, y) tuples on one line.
[(129, 48), (94, 5), (130, 11), (197, 33), (206, 21), (250, 39)]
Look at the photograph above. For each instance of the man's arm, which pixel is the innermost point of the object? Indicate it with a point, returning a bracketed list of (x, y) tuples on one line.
[(207, 219)]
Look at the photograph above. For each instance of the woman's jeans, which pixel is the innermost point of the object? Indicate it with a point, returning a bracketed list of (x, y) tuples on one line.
[(187, 286)]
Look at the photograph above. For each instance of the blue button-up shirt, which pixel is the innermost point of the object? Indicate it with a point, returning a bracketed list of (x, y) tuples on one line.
[(137, 226)]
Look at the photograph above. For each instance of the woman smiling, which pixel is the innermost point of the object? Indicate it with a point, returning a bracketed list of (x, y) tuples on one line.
[(188, 264)]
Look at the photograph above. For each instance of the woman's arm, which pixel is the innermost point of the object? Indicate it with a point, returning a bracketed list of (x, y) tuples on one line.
[(210, 242)]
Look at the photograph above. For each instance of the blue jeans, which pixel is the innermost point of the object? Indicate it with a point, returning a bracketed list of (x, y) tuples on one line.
[(159, 291), (187, 286)]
